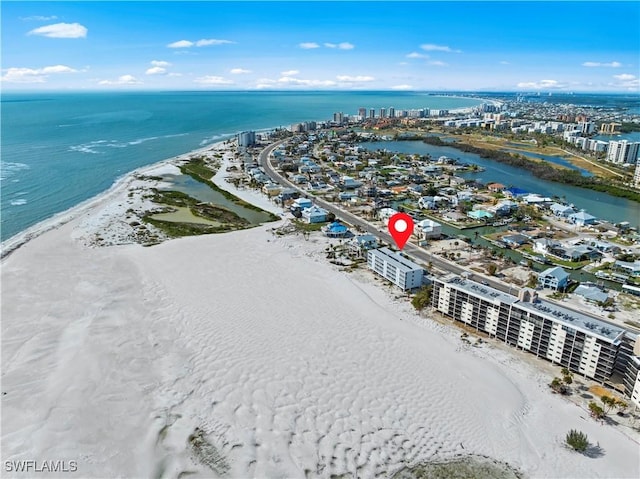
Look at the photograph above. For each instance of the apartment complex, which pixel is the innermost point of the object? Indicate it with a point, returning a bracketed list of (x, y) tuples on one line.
[(623, 151), (396, 268), (581, 343)]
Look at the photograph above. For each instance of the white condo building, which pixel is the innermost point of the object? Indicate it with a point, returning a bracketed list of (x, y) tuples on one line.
[(400, 271), (623, 151), (636, 176)]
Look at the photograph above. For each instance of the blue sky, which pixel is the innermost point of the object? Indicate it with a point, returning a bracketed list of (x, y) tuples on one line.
[(504, 46)]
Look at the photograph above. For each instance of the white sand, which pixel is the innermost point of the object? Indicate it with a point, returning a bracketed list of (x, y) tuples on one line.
[(113, 356)]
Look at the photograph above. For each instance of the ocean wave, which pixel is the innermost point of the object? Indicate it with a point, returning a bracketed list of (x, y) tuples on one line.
[(91, 147), (10, 168), (18, 202), (215, 138)]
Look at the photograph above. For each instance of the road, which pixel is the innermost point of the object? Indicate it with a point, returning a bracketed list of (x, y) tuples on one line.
[(411, 250)]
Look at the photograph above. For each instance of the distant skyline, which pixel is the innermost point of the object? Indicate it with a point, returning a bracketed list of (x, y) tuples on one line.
[(434, 46)]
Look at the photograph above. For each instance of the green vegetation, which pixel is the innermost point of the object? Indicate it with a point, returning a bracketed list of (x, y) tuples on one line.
[(198, 169), (542, 169), (577, 440), (226, 220), (307, 227), (629, 127), (596, 411), (422, 298)]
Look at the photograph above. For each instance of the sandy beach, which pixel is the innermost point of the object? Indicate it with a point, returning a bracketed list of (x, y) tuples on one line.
[(245, 354)]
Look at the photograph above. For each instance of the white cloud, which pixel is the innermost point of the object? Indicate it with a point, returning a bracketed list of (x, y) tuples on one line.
[(355, 79), (417, 55), (541, 85), (289, 73), (213, 80), (156, 71), (34, 75), (158, 67), (122, 80), (239, 71), (203, 42), (175, 74), (61, 30), (340, 46), (181, 44), (430, 47), (402, 87), (308, 45), (438, 63), (301, 82), (600, 64), (624, 77), (39, 18), (503, 62), (630, 82)]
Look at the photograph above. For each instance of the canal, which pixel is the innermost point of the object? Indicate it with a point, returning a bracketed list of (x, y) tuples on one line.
[(601, 205)]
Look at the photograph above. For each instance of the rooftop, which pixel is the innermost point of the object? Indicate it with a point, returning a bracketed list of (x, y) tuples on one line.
[(574, 319), (397, 260), (484, 292)]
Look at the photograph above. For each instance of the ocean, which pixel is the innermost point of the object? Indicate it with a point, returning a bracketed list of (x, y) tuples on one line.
[(60, 149)]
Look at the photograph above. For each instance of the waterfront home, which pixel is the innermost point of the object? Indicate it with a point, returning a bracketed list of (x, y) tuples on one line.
[(514, 240), (582, 218), (503, 208), (495, 187), (271, 189), (300, 204), (314, 214), (554, 278), (335, 230), (632, 269), (544, 245), (454, 216), (299, 179), (561, 211), (427, 229), (479, 215), (362, 243), (514, 192)]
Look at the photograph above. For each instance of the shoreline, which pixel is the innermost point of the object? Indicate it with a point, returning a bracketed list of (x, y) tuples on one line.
[(10, 245)]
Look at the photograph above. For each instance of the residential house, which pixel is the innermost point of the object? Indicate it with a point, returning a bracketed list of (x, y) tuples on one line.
[(427, 229), (561, 211), (591, 293), (362, 243), (479, 215), (554, 278), (314, 214), (336, 230), (301, 204), (582, 218), (632, 269)]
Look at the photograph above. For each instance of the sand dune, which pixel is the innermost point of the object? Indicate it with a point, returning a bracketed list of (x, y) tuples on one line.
[(248, 355)]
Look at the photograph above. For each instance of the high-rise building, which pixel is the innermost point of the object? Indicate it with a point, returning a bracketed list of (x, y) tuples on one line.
[(338, 118), (582, 343), (636, 176), (372, 113), (246, 138), (392, 112), (623, 151), (609, 128), (362, 113), (383, 112), (396, 268)]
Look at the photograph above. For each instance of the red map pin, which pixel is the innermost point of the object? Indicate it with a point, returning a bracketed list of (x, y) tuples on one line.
[(400, 228)]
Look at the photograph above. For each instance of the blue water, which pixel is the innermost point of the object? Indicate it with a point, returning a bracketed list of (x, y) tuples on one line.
[(553, 159), (599, 204), (59, 149)]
